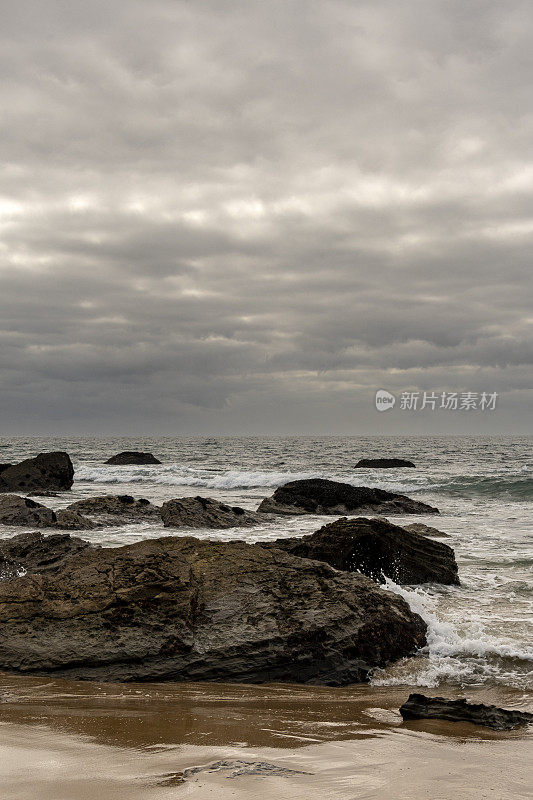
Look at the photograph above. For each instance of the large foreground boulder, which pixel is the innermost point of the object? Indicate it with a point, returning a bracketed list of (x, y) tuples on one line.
[(108, 508), (189, 609), (45, 471), (320, 496), (377, 548), (132, 457), (383, 463), (204, 512), (418, 706)]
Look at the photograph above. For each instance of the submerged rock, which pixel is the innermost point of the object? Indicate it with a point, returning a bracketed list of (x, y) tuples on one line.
[(180, 608), (383, 463), (132, 457), (377, 548), (108, 507), (45, 471), (320, 496), (426, 530), (204, 512), (418, 706)]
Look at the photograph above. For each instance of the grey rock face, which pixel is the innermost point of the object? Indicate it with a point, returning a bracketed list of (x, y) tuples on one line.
[(129, 457), (180, 608), (320, 496), (377, 548), (204, 512), (418, 706), (46, 471)]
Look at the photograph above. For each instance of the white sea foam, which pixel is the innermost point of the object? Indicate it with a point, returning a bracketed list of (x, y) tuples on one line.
[(458, 652)]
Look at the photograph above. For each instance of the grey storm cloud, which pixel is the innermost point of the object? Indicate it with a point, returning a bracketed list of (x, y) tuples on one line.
[(248, 216)]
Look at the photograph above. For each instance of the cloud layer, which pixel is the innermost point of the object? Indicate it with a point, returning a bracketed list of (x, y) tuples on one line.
[(248, 216)]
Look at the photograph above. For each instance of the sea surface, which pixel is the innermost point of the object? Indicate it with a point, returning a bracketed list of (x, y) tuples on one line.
[(480, 633)]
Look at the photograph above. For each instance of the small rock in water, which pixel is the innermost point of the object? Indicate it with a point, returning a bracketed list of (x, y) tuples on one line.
[(383, 463), (129, 457), (204, 512), (418, 706), (426, 530)]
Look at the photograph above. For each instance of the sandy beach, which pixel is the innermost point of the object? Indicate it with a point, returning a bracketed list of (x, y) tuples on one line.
[(80, 741)]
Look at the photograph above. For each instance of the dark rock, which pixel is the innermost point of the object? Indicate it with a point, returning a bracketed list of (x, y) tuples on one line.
[(376, 548), (15, 510), (418, 706), (45, 471), (426, 530), (180, 608), (319, 496), (3, 467), (36, 553), (132, 457), (107, 508), (204, 512), (383, 463)]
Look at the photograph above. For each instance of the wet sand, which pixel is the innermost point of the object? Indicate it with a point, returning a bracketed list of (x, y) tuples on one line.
[(63, 740)]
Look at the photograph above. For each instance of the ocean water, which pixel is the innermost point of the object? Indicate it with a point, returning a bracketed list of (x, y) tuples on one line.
[(479, 633)]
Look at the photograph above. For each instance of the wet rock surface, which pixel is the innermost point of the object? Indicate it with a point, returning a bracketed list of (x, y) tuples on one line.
[(132, 457), (377, 548), (34, 552), (383, 463), (418, 706), (320, 496), (188, 609), (204, 512), (46, 471)]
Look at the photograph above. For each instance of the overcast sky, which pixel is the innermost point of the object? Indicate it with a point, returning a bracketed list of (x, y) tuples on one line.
[(246, 217)]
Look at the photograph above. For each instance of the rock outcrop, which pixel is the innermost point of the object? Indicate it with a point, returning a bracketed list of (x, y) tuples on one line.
[(426, 530), (15, 510), (23, 511), (113, 509), (204, 512), (132, 457), (376, 548), (320, 496), (46, 471), (383, 463), (35, 553), (180, 608), (418, 706)]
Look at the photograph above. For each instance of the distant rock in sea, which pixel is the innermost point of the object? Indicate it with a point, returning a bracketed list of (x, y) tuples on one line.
[(418, 706), (320, 496), (129, 457), (383, 463), (376, 548), (204, 512), (46, 471), (181, 608)]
